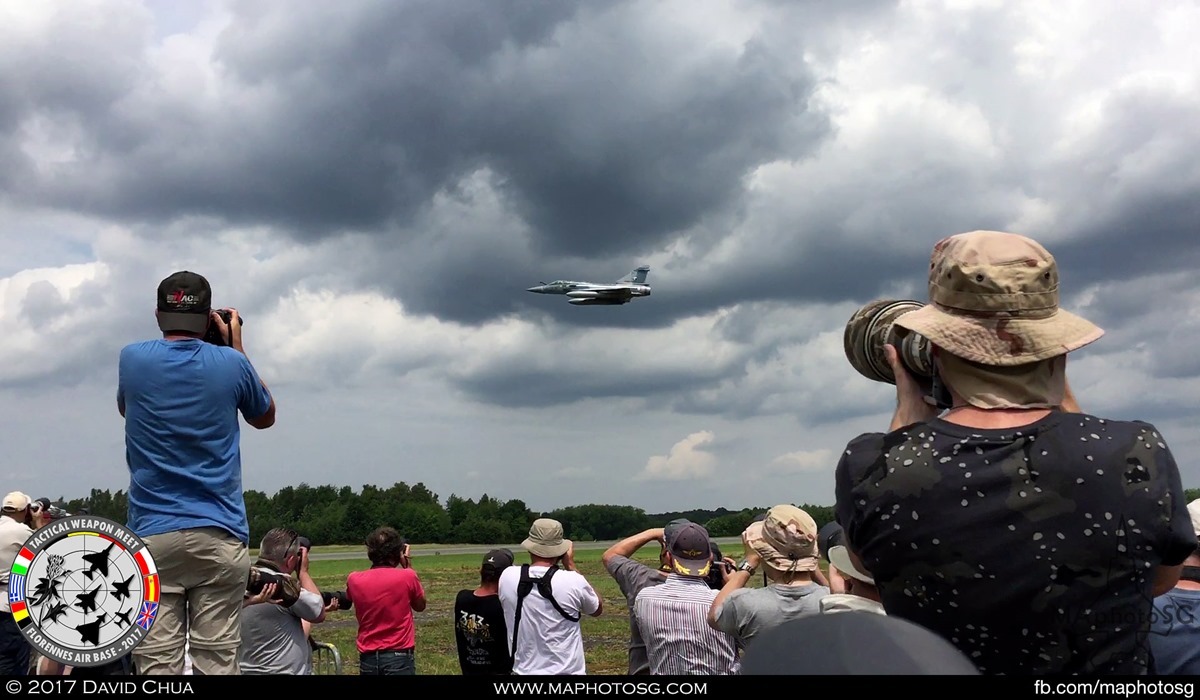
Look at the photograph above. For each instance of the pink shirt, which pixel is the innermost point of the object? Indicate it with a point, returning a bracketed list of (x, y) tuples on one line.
[(383, 597)]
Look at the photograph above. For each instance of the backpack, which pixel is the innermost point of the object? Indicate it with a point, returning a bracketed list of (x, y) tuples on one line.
[(524, 588)]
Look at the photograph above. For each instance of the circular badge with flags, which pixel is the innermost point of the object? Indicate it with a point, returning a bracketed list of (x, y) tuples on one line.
[(84, 590)]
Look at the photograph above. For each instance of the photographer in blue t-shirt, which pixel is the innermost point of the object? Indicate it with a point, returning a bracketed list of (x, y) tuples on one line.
[(180, 397)]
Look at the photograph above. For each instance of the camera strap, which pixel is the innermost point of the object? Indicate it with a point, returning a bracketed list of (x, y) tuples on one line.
[(524, 587)]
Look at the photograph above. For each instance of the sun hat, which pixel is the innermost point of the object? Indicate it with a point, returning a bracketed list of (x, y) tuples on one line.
[(994, 299)]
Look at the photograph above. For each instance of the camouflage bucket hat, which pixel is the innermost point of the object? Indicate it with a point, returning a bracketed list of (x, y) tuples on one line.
[(786, 539), (993, 299)]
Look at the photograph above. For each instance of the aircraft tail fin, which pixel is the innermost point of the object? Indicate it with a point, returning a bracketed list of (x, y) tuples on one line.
[(638, 276)]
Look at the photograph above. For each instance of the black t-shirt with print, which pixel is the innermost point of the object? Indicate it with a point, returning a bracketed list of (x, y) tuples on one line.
[(1031, 549), (481, 635)]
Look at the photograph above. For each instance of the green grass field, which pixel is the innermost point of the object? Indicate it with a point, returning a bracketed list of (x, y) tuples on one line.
[(605, 637)]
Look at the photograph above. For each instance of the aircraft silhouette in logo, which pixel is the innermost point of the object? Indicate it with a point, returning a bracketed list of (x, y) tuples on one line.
[(122, 618), (98, 562), (87, 601), (121, 588), (91, 631)]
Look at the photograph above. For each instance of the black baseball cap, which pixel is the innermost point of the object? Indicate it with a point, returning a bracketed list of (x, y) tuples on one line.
[(853, 643), (829, 536), (184, 303), (496, 561), (690, 551)]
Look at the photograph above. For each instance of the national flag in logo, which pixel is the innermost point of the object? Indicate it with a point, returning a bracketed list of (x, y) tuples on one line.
[(16, 588), (21, 564), (146, 617), (150, 588), (145, 563)]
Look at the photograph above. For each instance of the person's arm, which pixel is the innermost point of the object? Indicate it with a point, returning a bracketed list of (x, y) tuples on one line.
[(589, 595), (1178, 541), (819, 578), (417, 599), (260, 394), (736, 581), (630, 545), (307, 615)]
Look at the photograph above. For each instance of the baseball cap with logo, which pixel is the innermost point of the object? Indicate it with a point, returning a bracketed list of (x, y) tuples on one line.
[(993, 299), (546, 539), (786, 539), (16, 501), (673, 527), (691, 554), (496, 561), (184, 303)]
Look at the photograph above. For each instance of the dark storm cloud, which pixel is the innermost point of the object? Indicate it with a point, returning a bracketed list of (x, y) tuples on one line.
[(606, 136)]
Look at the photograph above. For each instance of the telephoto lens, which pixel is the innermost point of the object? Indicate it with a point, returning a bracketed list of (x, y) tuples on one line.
[(872, 327)]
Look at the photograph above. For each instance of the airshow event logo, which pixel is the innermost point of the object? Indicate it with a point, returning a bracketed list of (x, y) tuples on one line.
[(84, 590)]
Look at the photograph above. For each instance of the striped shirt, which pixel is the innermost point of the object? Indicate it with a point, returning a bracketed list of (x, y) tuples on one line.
[(673, 619)]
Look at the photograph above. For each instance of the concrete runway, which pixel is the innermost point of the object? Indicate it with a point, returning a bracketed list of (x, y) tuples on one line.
[(730, 546)]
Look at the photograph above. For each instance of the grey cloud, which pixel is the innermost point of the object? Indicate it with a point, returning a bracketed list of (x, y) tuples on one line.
[(346, 120)]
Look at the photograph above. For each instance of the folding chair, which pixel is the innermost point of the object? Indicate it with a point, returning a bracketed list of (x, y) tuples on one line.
[(326, 659)]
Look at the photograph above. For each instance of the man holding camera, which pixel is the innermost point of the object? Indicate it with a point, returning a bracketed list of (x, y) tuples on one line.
[(784, 544), (632, 576), (544, 603), (274, 641), (180, 397), (385, 598), (1031, 535)]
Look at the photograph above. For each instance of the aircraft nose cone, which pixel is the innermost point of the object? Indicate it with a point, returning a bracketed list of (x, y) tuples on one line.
[(536, 290)]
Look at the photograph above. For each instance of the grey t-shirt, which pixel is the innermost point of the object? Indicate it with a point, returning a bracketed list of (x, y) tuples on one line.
[(631, 577), (273, 641), (748, 612)]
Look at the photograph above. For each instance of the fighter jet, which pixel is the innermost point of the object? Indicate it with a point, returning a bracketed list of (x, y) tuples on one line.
[(622, 291)]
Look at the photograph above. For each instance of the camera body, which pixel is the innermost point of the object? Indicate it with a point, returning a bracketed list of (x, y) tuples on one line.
[(343, 599), (213, 334)]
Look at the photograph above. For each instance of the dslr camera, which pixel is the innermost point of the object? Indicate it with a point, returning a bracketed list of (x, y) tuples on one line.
[(213, 334)]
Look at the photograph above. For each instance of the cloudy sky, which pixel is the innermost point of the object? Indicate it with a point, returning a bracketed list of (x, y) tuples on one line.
[(374, 184)]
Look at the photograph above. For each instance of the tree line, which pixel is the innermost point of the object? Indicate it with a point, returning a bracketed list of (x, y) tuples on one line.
[(330, 515)]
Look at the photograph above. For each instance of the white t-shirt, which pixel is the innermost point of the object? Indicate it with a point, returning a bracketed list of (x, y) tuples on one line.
[(548, 643)]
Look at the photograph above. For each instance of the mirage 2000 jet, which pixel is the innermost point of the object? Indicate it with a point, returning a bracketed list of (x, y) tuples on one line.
[(592, 294)]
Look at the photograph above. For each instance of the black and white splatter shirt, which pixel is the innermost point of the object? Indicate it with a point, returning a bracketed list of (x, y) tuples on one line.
[(1032, 550)]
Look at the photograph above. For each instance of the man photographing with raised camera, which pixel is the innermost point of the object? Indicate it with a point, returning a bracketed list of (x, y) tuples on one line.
[(1029, 534), (180, 397), (274, 634)]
